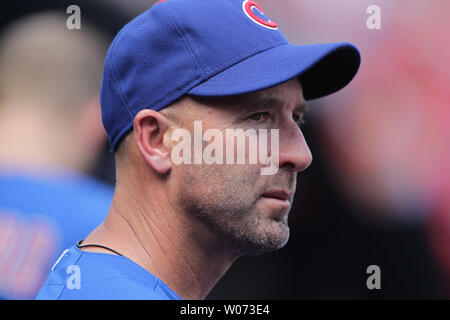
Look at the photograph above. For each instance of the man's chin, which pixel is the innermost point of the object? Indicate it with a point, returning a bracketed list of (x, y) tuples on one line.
[(274, 238), (273, 209)]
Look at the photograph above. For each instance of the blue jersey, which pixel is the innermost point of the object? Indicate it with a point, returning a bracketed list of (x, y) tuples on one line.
[(40, 216), (82, 275)]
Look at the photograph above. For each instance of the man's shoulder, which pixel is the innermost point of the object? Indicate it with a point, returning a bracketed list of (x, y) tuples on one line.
[(80, 275)]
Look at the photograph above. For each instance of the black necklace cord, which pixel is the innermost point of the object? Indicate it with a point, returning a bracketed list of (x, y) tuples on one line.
[(79, 246)]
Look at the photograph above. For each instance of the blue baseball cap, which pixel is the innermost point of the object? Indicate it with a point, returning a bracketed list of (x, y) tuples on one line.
[(210, 48)]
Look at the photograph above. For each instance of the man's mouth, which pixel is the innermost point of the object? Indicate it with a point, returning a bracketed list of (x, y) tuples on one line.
[(278, 203), (280, 194)]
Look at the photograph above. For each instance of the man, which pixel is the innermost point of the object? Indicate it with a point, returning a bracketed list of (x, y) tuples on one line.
[(50, 135), (175, 227)]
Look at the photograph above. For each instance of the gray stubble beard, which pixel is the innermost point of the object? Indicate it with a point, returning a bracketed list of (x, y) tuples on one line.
[(229, 211)]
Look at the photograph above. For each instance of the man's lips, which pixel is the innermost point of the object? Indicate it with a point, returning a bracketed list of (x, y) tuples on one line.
[(278, 194), (277, 202)]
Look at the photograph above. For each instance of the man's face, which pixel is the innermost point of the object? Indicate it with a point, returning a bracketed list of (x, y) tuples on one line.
[(246, 210)]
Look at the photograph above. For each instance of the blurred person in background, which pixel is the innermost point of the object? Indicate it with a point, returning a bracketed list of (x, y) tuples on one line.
[(387, 141), (50, 135), (392, 140)]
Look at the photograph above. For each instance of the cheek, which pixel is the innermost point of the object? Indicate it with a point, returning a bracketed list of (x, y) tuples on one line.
[(219, 180)]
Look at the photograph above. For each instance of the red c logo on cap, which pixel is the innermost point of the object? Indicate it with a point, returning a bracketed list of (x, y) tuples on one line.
[(248, 6)]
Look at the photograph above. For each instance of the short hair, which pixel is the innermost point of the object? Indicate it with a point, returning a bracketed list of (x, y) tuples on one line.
[(41, 59), (169, 112)]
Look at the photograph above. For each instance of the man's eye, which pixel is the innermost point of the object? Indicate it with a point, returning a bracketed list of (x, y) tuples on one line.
[(299, 120), (258, 116)]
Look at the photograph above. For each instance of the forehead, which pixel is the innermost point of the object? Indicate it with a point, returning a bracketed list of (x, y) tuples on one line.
[(289, 92)]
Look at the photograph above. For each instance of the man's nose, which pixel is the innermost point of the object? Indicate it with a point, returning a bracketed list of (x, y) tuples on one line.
[(294, 153)]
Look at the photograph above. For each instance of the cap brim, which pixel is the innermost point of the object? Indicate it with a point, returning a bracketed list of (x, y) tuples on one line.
[(321, 68)]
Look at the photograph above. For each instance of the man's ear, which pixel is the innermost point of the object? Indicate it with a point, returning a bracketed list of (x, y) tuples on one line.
[(150, 127)]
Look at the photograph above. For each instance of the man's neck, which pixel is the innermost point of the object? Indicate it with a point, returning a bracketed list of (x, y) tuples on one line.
[(181, 252)]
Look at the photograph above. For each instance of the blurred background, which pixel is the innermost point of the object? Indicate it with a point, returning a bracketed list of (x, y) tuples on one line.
[(377, 192)]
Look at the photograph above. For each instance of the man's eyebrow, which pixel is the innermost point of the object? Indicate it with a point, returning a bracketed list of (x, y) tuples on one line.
[(262, 103)]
